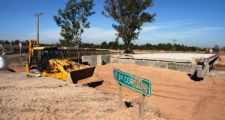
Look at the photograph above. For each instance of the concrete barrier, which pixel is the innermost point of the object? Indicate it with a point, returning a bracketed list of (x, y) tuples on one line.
[(96, 59)]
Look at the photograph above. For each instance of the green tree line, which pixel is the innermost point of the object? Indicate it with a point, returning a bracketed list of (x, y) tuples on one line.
[(114, 45), (161, 46), (14, 42)]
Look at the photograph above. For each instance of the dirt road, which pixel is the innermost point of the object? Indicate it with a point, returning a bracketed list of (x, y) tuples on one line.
[(28, 98), (48, 98), (173, 93)]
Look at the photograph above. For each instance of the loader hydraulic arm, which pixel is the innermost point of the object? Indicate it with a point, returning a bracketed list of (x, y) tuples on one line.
[(30, 55)]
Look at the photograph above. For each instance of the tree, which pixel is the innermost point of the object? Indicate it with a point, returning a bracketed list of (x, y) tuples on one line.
[(223, 48), (130, 15), (16, 42), (104, 44), (116, 43), (216, 48), (73, 20)]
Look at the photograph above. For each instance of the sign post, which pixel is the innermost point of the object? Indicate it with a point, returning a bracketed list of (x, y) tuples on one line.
[(20, 46), (138, 84), (120, 96), (141, 106)]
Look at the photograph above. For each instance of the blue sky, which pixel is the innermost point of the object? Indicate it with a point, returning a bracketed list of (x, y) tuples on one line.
[(190, 22)]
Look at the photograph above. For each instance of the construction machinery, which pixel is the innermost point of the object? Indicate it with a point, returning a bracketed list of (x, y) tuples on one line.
[(49, 62)]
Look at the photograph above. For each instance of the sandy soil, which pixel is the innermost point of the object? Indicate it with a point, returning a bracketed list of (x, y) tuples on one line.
[(174, 94), (222, 60), (24, 97), (221, 64)]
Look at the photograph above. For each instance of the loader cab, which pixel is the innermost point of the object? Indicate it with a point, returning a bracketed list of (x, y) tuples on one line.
[(41, 56)]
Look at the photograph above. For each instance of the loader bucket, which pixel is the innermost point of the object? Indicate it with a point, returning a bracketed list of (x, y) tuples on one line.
[(74, 76)]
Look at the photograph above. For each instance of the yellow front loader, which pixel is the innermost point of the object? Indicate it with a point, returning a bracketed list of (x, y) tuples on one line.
[(48, 61)]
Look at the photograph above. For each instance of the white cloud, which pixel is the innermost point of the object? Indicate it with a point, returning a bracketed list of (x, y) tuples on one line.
[(46, 36), (185, 33), (50, 36), (91, 35), (97, 35), (150, 28)]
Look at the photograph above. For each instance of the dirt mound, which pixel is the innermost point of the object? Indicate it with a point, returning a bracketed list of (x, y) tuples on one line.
[(222, 60), (174, 94), (221, 65), (105, 73)]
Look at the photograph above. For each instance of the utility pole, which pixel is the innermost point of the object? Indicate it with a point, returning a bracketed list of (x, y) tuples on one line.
[(174, 44), (197, 47), (37, 15)]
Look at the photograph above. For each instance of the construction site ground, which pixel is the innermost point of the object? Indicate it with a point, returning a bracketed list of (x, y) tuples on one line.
[(174, 96)]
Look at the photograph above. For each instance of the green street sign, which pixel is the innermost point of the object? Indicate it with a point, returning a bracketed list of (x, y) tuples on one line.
[(135, 83)]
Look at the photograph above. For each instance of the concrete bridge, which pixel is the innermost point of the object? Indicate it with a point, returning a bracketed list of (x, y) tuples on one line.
[(197, 65)]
